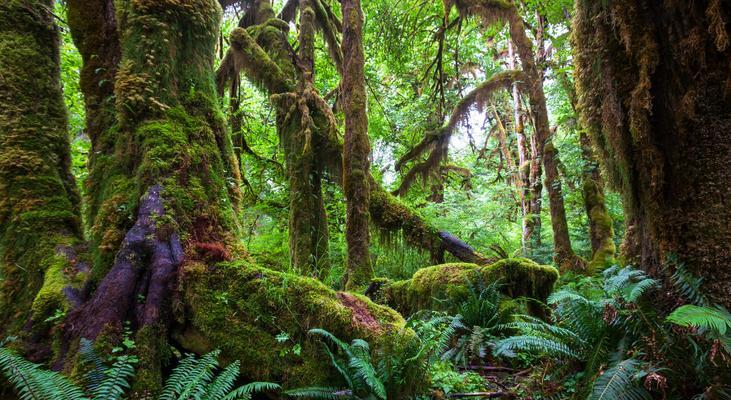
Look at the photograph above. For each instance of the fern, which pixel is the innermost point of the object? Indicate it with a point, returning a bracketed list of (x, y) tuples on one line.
[(116, 381), (244, 392), (620, 383), (687, 284), (34, 383), (534, 345), (223, 383), (193, 378), (715, 323)]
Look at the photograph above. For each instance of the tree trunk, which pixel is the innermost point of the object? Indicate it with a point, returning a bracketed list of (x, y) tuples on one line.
[(655, 91), (39, 203), (264, 56), (531, 222), (601, 232), (173, 177), (564, 255), (356, 150)]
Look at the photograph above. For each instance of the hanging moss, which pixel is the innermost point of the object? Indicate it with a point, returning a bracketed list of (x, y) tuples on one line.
[(654, 90), (240, 308), (441, 287)]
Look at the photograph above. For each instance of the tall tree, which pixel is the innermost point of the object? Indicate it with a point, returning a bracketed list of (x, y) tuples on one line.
[(655, 92), (39, 207), (491, 11), (529, 167), (356, 150)]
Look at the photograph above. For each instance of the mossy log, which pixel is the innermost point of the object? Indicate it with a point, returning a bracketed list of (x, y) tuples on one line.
[(242, 309), (442, 287)]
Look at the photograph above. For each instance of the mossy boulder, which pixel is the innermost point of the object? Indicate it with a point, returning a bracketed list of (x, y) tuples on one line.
[(441, 287), (262, 318)]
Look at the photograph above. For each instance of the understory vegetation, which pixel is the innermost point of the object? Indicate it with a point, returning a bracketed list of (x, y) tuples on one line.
[(376, 200)]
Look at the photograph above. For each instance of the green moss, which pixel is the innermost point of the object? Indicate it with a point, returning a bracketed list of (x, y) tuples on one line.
[(240, 308), (392, 216), (60, 274), (39, 208), (152, 350), (442, 286)]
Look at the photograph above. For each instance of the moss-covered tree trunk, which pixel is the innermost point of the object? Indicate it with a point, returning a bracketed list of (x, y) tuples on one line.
[(528, 171), (167, 192), (39, 203), (356, 150), (601, 231), (655, 91), (563, 253)]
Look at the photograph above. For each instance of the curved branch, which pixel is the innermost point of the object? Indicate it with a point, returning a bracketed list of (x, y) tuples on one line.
[(438, 141)]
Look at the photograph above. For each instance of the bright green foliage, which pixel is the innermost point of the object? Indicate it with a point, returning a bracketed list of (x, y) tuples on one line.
[(714, 323)]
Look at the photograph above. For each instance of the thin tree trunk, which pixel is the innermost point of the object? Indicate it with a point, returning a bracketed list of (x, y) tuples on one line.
[(531, 222), (356, 150), (564, 256), (601, 231)]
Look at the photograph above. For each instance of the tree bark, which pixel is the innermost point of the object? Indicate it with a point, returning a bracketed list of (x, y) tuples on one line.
[(39, 203), (564, 255), (529, 168), (654, 89), (356, 150)]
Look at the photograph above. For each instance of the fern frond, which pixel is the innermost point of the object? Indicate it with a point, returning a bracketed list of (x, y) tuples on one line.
[(223, 383), (98, 373), (533, 345), (33, 383), (619, 383), (323, 393), (200, 377), (244, 392), (327, 335), (689, 286), (116, 380), (181, 374), (715, 320), (364, 370)]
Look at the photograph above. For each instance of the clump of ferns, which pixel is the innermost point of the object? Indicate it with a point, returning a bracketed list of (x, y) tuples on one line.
[(480, 319), (398, 370), (607, 328), (193, 378)]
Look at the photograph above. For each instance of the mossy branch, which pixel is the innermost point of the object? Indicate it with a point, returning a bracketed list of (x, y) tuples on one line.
[(438, 141)]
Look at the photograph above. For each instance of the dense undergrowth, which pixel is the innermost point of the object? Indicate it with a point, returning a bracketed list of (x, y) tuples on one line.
[(603, 340)]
